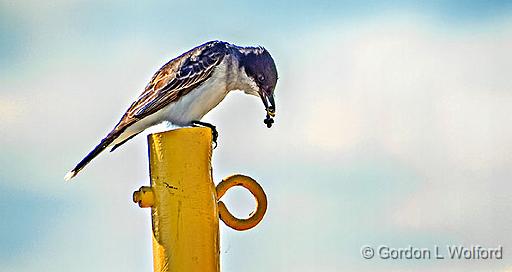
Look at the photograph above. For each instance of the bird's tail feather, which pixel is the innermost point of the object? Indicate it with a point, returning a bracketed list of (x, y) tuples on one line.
[(123, 141), (95, 152)]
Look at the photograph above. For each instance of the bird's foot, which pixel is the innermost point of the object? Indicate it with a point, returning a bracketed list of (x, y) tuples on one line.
[(215, 134)]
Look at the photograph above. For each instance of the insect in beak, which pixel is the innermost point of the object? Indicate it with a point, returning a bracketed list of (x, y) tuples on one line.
[(270, 107)]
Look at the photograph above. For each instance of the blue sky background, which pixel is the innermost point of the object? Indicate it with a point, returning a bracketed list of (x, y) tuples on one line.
[(393, 128)]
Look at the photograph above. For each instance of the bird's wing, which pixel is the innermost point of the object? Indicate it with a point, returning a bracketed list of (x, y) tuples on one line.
[(174, 80)]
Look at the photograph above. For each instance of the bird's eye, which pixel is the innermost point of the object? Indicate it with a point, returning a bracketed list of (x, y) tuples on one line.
[(261, 78)]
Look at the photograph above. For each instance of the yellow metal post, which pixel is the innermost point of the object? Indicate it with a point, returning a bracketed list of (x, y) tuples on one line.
[(184, 205), (184, 214)]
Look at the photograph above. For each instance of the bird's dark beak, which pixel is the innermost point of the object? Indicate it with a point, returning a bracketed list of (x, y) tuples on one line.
[(270, 107), (269, 103)]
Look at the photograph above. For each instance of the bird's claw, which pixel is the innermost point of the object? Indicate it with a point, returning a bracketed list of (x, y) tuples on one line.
[(215, 134)]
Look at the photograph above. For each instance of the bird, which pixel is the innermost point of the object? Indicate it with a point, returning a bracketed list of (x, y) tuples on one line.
[(187, 87)]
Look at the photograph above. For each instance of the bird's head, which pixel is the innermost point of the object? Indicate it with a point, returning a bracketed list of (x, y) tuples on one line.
[(261, 70)]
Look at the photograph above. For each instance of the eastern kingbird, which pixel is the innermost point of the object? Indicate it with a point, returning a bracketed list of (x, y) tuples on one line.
[(189, 86)]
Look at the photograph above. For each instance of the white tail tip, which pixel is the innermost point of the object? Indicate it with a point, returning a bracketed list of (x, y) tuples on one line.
[(69, 175)]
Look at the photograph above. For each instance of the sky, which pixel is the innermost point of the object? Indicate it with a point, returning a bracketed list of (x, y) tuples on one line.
[(392, 129)]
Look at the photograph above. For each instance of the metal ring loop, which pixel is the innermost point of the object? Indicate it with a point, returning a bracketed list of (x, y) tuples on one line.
[(255, 189)]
